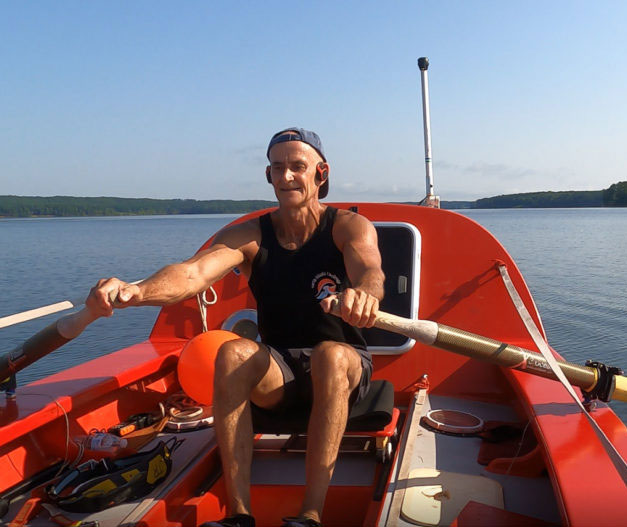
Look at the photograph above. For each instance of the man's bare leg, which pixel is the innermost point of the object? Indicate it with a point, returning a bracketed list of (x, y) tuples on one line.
[(335, 371), (244, 370)]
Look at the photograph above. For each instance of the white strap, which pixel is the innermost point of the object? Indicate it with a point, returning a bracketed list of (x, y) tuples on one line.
[(617, 460)]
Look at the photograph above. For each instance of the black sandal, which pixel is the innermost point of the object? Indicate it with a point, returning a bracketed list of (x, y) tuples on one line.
[(238, 520), (300, 522)]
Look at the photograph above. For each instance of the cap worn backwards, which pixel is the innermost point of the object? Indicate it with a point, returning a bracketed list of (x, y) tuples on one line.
[(304, 136)]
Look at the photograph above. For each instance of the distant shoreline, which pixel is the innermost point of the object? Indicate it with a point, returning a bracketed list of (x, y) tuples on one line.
[(71, 206)]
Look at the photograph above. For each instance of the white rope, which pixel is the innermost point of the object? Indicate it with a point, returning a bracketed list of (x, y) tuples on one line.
[(617, 460), (520, 444), (81, 449), (202, 306)]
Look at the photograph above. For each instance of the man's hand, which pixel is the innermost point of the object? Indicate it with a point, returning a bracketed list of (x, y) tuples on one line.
[(109, 293), (356, 307)]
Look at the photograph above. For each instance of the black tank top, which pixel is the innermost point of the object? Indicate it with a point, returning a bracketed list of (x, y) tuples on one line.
[(288, 285)]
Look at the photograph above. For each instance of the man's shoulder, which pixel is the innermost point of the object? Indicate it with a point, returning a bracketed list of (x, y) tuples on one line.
[(347, 219), (240, 233), (350, 226)]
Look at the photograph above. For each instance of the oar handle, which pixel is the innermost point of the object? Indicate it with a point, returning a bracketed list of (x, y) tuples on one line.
[(423, 331)]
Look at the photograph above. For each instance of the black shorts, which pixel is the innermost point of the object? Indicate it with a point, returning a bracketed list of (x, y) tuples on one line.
[(295, 363)]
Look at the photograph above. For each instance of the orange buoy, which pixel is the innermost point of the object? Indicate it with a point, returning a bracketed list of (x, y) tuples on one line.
[(197, 362)]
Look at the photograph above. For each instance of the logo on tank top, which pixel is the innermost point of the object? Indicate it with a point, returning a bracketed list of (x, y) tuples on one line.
[(325, 284)]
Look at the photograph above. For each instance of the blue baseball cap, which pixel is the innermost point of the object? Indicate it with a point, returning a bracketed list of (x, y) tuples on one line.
[(304, 136)]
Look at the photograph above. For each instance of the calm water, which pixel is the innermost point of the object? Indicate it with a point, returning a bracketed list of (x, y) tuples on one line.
[(573, 261)]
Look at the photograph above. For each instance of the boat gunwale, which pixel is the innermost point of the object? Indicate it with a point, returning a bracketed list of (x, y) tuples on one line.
[(146, 358)]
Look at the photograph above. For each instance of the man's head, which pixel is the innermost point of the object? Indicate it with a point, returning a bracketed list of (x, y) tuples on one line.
[(313, 143)]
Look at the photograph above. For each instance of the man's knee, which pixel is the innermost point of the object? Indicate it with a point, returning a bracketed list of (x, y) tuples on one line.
[(330, 354), (232, 354), (332, 362), (239, 358)]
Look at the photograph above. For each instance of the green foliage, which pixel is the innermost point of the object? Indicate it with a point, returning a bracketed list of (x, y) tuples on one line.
[(571, 198), (616, 195), (456, 205), (26, 206)]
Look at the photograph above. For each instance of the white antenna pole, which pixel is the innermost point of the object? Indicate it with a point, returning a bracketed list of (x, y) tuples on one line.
[(430, 199)]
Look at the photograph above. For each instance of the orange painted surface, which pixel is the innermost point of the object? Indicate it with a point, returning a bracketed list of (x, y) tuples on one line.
[(96, 394), (480, 514)]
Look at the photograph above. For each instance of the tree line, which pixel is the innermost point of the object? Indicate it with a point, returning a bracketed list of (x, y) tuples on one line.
[(584, 198), (64, 206), (614, 196)]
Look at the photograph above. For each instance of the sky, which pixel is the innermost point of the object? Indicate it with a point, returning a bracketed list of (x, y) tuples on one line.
[(179, 99)]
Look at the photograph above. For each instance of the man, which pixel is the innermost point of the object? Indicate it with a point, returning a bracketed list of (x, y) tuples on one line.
[(296, 259)]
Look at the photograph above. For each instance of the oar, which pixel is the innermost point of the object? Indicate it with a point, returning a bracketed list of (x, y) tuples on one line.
[(500, 353), (47, 340), (31, 314)]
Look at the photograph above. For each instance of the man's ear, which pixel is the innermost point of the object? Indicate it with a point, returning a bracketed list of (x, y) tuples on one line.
[(268, 175), (322, 172)]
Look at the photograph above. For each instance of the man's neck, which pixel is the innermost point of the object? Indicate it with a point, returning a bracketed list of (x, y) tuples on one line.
[(294, 226)]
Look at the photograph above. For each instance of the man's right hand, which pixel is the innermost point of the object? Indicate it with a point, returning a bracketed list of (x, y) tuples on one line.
[(111, 293)]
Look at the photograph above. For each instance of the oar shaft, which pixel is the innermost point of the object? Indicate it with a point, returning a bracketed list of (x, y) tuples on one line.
[(38, 312), (37, 346), (490, 350), (509, 356), (48, 339), (45, 341), (31, 314)]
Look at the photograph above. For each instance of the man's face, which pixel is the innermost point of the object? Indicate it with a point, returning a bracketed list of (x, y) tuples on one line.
[(293, 170)]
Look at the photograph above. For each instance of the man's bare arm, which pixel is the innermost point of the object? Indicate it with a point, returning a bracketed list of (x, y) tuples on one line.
[(183, 280), (178, 281)]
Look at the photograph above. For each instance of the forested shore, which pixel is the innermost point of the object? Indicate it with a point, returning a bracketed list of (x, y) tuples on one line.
[(613, 196), (67, 206)]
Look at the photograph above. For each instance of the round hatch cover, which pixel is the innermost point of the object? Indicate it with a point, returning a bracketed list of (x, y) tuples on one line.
[(452, 422)]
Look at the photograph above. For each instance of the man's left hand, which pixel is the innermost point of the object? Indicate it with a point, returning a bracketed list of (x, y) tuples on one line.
[(357, 307)]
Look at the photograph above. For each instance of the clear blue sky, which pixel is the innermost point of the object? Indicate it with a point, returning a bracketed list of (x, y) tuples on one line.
[(179, 99)]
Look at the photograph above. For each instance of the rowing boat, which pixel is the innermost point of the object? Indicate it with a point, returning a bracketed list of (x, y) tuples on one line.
[(440, 266), (467, 427)]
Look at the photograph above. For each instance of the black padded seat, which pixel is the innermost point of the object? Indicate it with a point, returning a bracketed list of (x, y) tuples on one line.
[(370, 414)]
